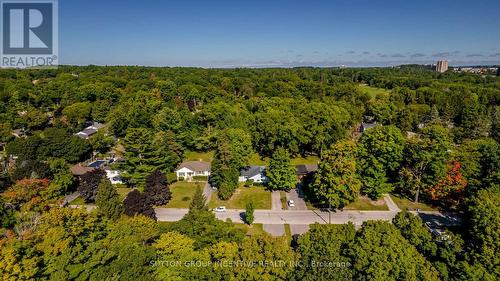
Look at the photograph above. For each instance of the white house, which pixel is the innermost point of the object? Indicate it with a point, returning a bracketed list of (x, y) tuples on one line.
[(114, 176), (254, 173), (187, 170)]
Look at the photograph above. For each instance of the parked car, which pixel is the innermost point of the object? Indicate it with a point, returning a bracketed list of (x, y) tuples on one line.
[(220, 209), (291, 203)]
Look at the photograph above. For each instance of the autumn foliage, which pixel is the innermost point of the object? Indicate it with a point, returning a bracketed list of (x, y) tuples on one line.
[(451, 187)]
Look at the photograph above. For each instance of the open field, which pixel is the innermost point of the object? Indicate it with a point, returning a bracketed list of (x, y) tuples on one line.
[(372, 91), (260, 197), (196, 156), (405, 203)]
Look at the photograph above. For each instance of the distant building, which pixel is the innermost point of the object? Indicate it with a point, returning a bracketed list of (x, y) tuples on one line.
[(253, 173), (365, 126), (90, 130), (442, 66)]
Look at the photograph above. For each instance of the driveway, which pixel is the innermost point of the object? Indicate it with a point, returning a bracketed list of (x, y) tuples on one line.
[(293, 194), (390, 204), (274, 229), (207, 191), (297, 229), (276, 201)]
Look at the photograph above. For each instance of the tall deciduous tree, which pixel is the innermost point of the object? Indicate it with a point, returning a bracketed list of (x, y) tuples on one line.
[(89, 184), (281, 174), (322, 244), (380, 155), (108, 200), (136, 204), (381, 253), (425, 160), (484, 219), (336, 182)]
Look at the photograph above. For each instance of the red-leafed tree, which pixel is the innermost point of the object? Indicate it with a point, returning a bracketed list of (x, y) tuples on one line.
[(451, 187)]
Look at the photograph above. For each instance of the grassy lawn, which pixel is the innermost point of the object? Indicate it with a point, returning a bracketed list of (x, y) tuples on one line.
[(196, 156), (288, 232), (251, 230), (372, 91), (284, 204), (310, 159), (405, 203), (260, 197), (366, 204), (122, 192), (182, 193), (78, 201)]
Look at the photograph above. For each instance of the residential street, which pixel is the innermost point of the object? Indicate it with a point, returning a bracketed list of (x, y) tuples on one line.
[(300, 217)]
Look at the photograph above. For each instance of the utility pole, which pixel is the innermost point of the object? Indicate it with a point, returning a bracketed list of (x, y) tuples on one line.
[(329, 213)]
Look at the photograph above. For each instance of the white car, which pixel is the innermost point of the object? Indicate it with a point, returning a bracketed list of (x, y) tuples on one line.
[(291, 203), (220, 209)]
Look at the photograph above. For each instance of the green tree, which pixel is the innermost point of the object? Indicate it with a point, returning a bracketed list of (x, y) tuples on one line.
[(249, 213), (199, 202), (381, 253), (380, 155), (484, 220), (425, 161), (413, 229), (108, 200), (336, 182), (323, 244), (281, 174)]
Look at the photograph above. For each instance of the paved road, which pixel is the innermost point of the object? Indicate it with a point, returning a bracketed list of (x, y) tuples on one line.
[(276, 201), (300, 217), (70, 197), (300, 204), (297, 229)]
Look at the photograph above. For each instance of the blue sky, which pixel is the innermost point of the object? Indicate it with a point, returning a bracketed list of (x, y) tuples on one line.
[(258, 33)]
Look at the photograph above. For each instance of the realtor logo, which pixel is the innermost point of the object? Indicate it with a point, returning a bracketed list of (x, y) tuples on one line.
[(29, 33)]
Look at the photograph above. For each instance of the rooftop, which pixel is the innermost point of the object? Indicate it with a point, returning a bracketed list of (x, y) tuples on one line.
[(195, 166)]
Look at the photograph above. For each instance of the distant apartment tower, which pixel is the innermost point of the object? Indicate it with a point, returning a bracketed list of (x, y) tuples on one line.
[(442, 65)]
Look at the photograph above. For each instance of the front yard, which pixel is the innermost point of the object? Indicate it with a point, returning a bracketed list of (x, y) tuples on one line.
[(182, 193), (405, 203), (260, 197), (366, 204), (363, 203)]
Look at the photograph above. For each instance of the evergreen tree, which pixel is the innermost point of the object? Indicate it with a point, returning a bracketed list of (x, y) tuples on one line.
[(199, 202), (281, 174), (108, 200), (249, 213)]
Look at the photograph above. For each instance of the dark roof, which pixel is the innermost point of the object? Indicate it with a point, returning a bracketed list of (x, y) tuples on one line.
[(251, 171), (195, 165), (306, 169), (365, 126)]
